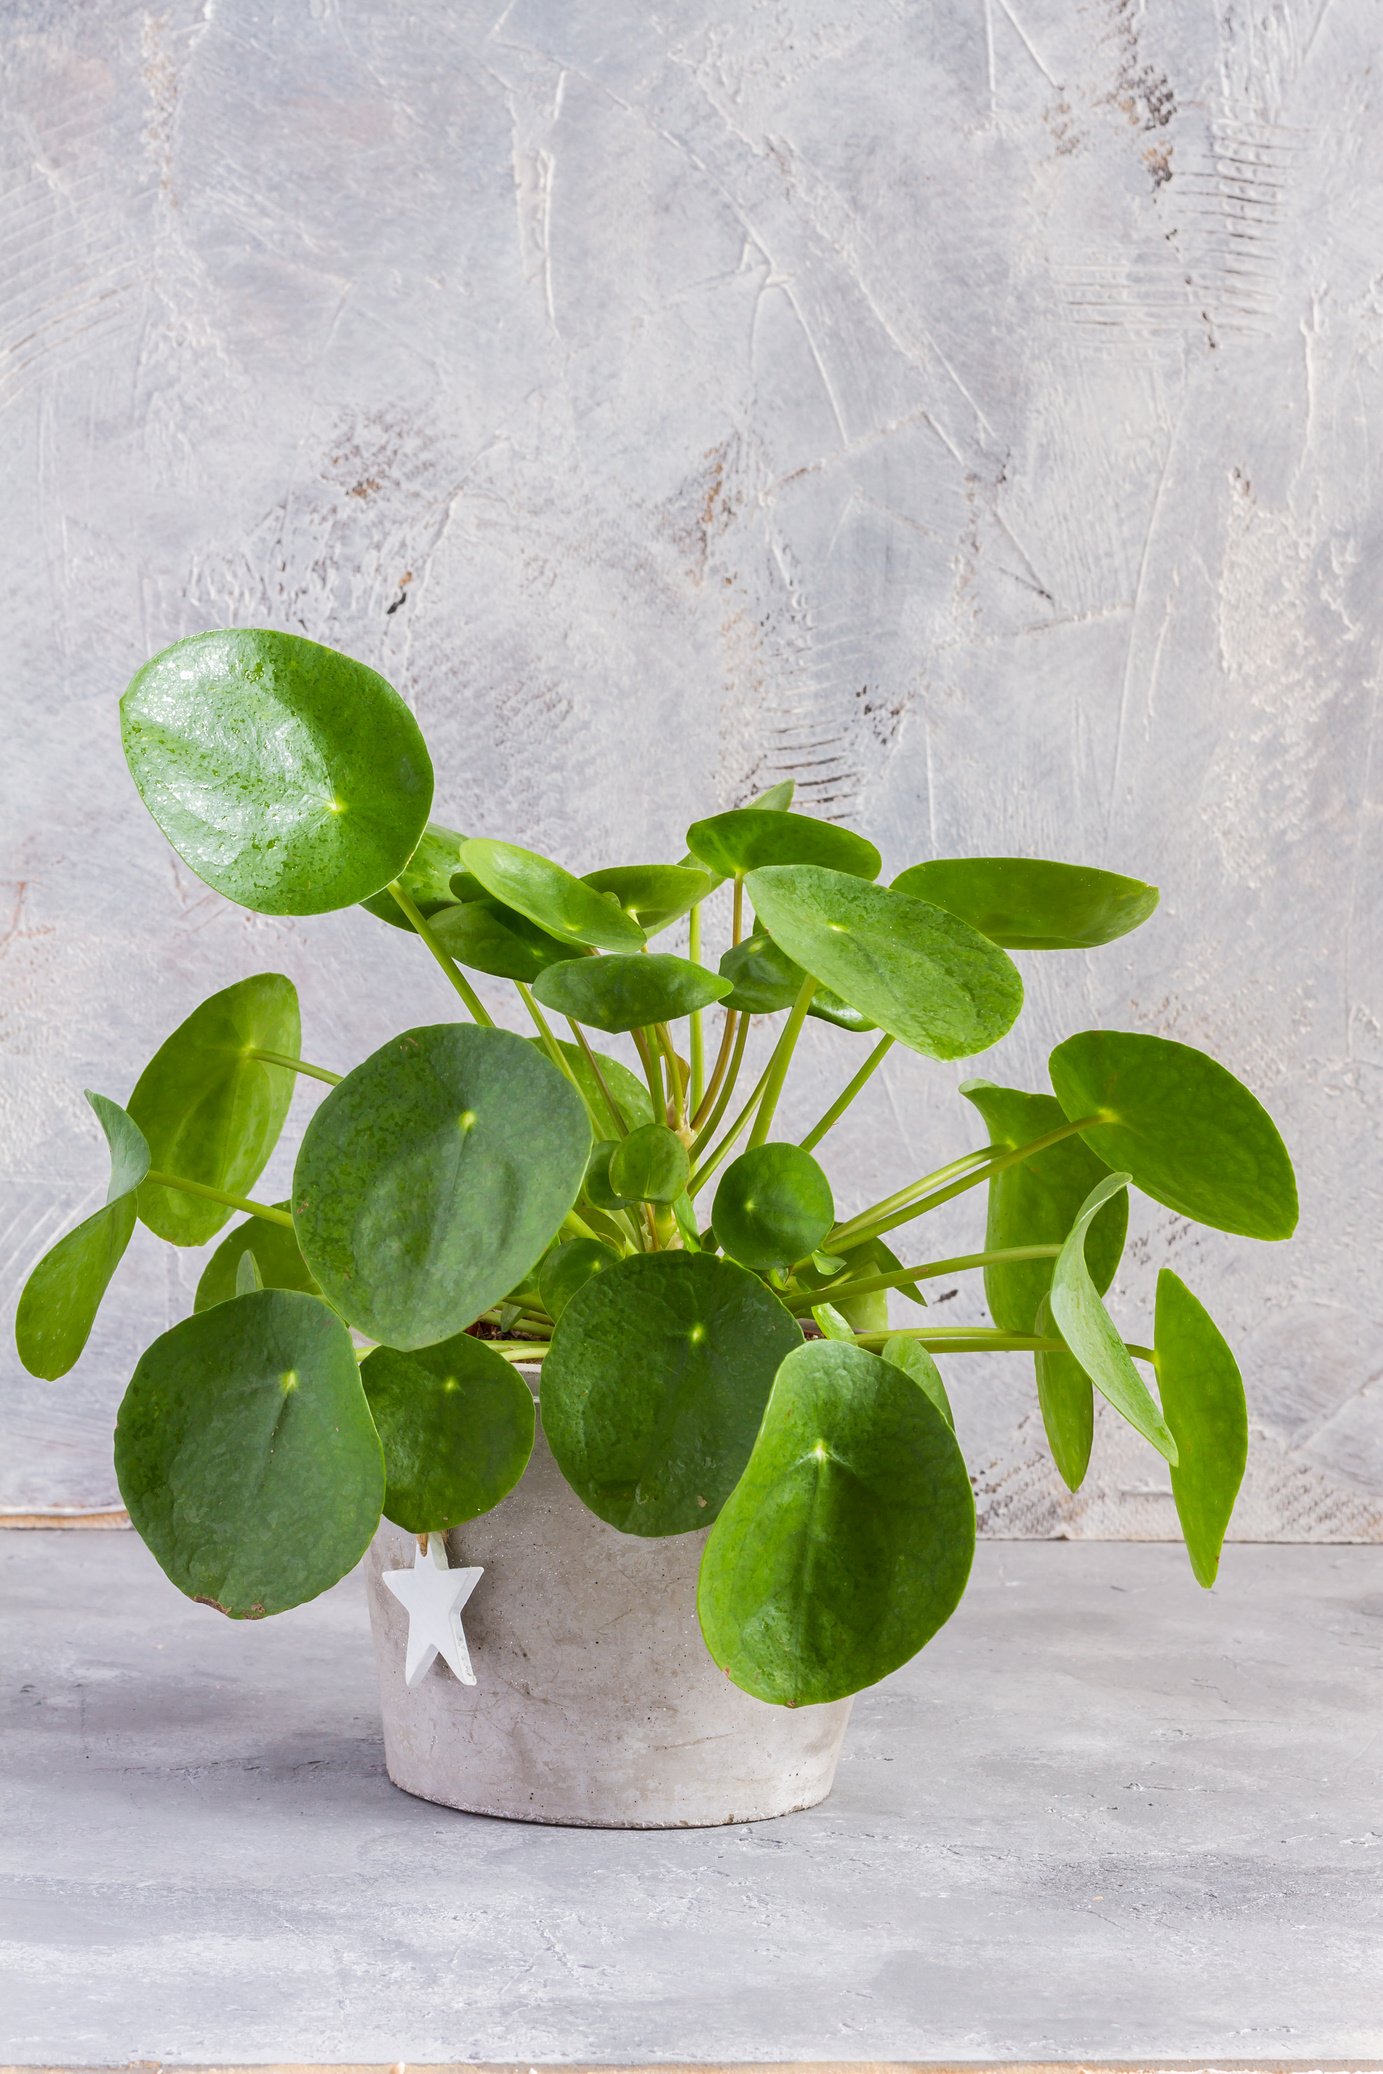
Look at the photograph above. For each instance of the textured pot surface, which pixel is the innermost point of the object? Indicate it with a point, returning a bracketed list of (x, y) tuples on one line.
[(595, 1702)]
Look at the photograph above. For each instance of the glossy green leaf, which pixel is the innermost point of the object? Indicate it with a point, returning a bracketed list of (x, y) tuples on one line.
[(1030, 904), (566, 1268), (426, 878), (763, 978), (280, 1262), (456, 1425), (775, 799), (749, 837), (847, 1542), (1190, 1134), (929, 980), (832, 1323), (619, 993), (773, 1205), (1203, 1400), (490, 938), (650, 1165), (631, 1096), (1066, 1399), (597, 1187), (565, 907), (59, 1302), (656, 1380), (827, 1007), (287, 776), (209, 1111), (656, 895), (1037, 1202), (1091, 1334), (433, 1178), (246, 1455), (915, 1361)]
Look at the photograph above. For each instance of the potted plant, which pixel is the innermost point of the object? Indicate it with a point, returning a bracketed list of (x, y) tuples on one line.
[(729, 1434)]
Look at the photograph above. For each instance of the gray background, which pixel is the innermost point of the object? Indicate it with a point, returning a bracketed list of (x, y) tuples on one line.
[(969, 409)]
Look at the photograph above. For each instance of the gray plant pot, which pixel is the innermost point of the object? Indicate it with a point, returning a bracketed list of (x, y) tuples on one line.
[(595, 1702)]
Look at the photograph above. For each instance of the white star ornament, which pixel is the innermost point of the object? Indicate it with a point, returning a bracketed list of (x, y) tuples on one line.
[(432, 1594)]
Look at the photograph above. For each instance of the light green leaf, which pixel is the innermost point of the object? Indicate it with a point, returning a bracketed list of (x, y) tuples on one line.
[(749, 837), (247, 1275), (650, 1165), (1190, 1134), (915, 1361), (1030, 904), (653, 1389), (426, 878), (434, 1177), (59, 1302), (656, 895), (1066, 1398), (209, 1111), (773, 1206), (246, 1455), (277, 1256), (776, 799), (1091, 1334), (929, 980), (287, 776), (619, 993), (1203, 1399), (763, 978), (456, 1424), (831, 1323), (564, 906), (847, 1542)]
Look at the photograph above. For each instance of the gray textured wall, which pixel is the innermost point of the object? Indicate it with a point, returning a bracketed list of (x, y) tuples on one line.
[(970, 408)]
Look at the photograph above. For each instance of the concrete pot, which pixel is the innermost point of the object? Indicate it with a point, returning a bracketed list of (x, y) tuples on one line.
[(595, 1702)]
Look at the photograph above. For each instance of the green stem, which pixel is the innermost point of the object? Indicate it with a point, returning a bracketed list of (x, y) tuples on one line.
[(707, 1111), (652, 1073), (281, 1058), (709, 1165), (961, 1339), (877, 1226), (550, 1044), (778, 1064), (578, 1225), (676, 1100), (914, 1189), (846, 1096), (897, 1278), (697, 1044), (154, 1179), (479, 1012), (616, 1117)]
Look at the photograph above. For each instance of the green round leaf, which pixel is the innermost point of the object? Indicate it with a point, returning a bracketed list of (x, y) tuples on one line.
[(749, 837), (565, 906), (929, 980), (773, 1206), (598, 1188), (277, 1255), (1029, 904), (762, 977), (246, 1455), (495, 939), (567, 1268), (287, 776), (1203, 1401), (1066, 1398), (630, 1095), (426, 878), (59, 1302), (628, 993), (210, 1112), (1189, 1134), (433, 1178), (650, 1165), (654, 894), (655, 1383), (456, 1424), (775, 800), (847, 1542), (915, 1361), (1091, 1334), (1037, 1202)]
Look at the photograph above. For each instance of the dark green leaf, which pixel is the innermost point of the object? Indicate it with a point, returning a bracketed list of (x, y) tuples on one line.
[(287, 776), (1190, 1134), (653, 1390), (567, 1268), (1203, 1399), (280, 1263), (619, 993), (773, 1206), (764, 979), (1029, 904), (426, 878), (654, 894), (59, 1302), (433, 1178), (209, 1111), (564, 906), (650, 1165), (915, 1361), (1091, 1334), (491, 938), (749, 837), (630, 1095), (598, 1188), (1066, 1398), (456, 1425), (926, 978), (847, 1542), (246, 1455)]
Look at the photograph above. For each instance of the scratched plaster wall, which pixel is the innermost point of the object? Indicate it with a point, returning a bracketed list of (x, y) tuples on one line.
[(970, 409)]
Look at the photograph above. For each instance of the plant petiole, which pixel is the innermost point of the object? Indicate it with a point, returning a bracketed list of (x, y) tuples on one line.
[(778, 1065), (616, 1114), (154, 1179), (281, 1058), (846, 1096), (697, 1043), (898, 1278), (713, 1160), (870, 1226), (479, 1012)]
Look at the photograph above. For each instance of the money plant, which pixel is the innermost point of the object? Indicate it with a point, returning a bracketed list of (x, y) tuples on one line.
[(709, 1323)]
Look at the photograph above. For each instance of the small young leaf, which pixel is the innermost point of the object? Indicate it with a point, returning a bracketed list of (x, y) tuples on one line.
[(1066, 1398), (568, 1267), (490, 938), (247, 1275), (831, 1323), (277, 1256), (456, 1424), (654, 894), (1188, 1133), (1030, 904), (426, 878), (209, 1111), (564, 906), (773, 1206), (1091, 1334), (748, 837), (847, 1542), (59, 1302), (434, 1177), (653, 1389), (287, 776), (1203, 1399), (650, 1165), (916, 1362), (618, 993), (246, 1456)]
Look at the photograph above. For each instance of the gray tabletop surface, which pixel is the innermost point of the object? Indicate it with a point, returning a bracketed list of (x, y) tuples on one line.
[(1104, 1816)]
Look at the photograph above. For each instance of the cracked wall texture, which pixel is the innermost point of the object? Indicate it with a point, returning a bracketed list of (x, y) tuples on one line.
[(970, 410)]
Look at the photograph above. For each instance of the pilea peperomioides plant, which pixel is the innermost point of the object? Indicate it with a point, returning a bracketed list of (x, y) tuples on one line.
[(712, 1329)]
